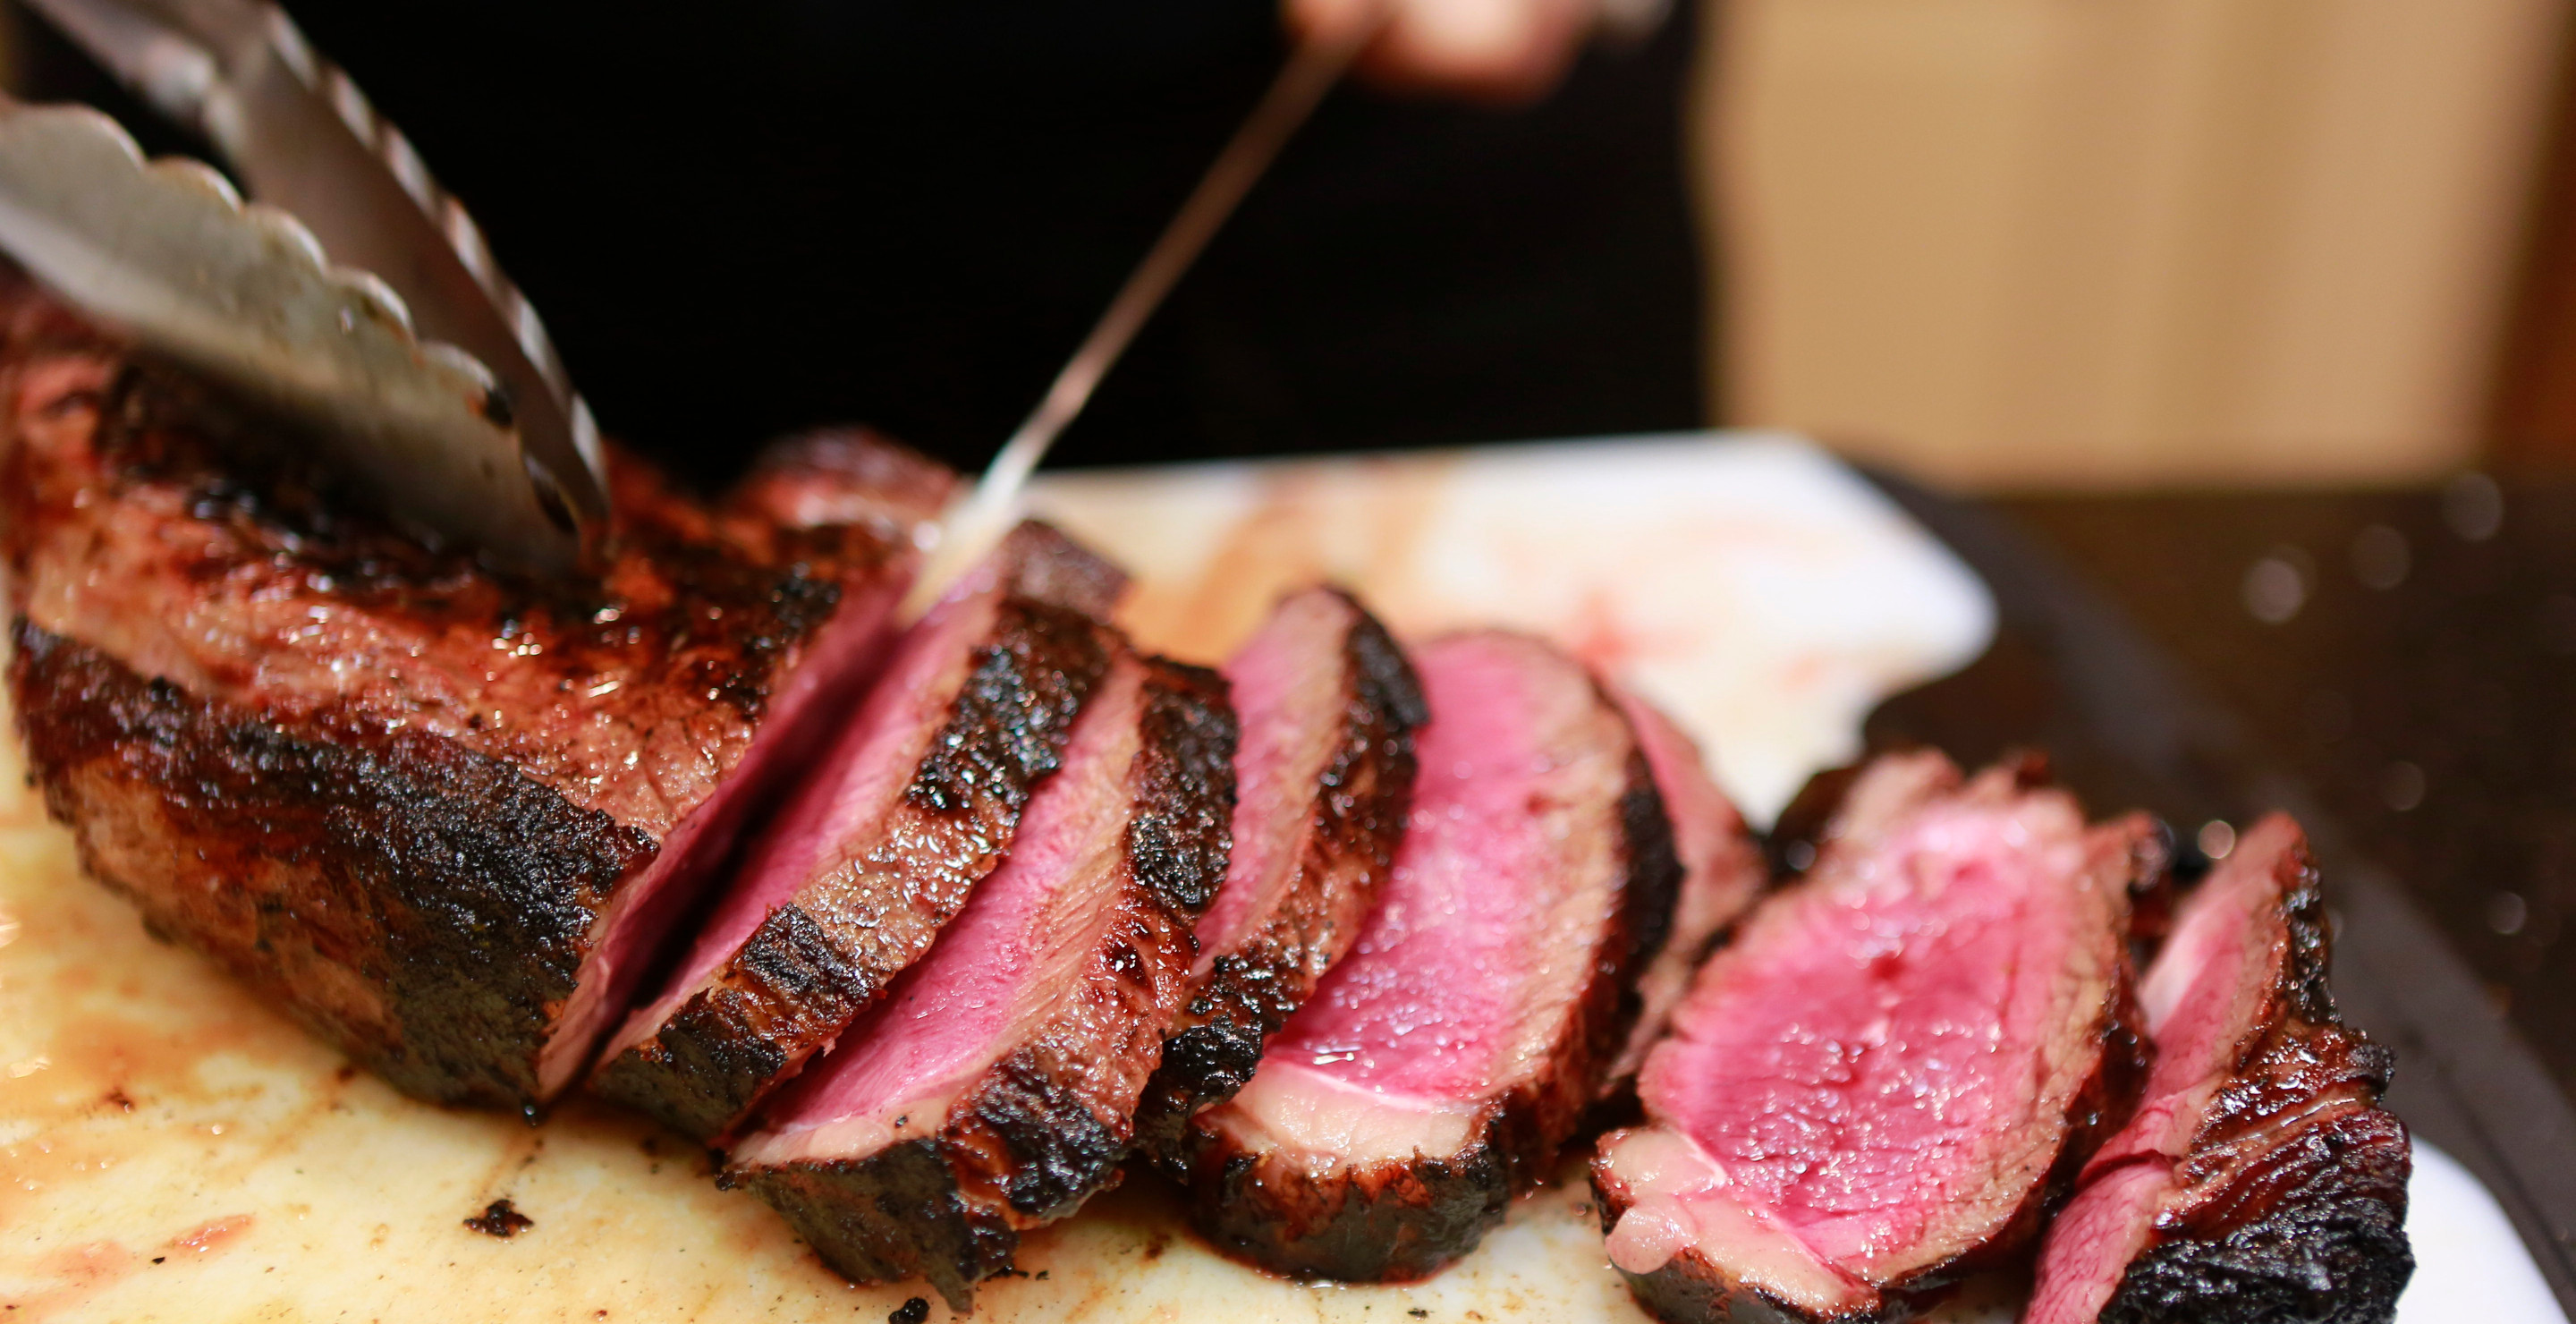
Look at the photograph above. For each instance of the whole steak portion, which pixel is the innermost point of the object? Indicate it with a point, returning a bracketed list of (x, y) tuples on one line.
[(1897, 1065), (916, 801), (1443, 1063), (1328, 706), (2260, 1180), (991, 1091), (443, 817)]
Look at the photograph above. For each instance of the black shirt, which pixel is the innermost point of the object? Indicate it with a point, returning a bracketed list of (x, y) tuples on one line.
[(742, 220)]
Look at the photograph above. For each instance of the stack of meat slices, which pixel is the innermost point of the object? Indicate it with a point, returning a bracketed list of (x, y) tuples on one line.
[(918, 799), (1329, 707), (2260, 1179), (1888, 1076), (992, 1089), (1442, 1064), (443, 817)]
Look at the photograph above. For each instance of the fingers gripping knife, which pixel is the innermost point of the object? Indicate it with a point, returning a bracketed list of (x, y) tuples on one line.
[(422, 376)]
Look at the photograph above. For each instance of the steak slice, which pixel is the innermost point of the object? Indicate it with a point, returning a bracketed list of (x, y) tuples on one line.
[(915, 803), (1899, 1062), (443, 816), (1722, 874), (1328, 706), (1441, 1065), (2260, 1179), (991, 1090)]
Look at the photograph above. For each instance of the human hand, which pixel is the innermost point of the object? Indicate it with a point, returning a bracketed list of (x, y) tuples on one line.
[(1503, 50)]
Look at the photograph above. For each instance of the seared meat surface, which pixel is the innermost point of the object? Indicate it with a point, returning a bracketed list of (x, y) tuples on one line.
[(1886, 1079), (443, 816), (1440, 1066), (917, 800), (1328, 707), (991, 1090), (2260, 1179)]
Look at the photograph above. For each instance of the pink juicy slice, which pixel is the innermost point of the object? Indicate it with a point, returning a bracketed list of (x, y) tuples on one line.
[(845, 792), (1417, 1009), (1456, 987), (840, 661), (1281, 679), (1721, 871), (1017, 945), (2204, 996), (1895, 1027)]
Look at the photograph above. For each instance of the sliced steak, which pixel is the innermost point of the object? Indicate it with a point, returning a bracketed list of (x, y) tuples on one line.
[(916, 801), (1722, 874), (2260, 1179), (443, 816), (991, 1090), (1328, 706), (1897, 1064), (1442, 1064)]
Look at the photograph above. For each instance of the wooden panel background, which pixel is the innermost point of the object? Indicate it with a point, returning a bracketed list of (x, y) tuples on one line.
[(2085, 243)]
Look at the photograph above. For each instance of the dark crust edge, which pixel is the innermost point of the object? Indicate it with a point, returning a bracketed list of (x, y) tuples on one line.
[(456, 890), (1030, 1144), (799, 979), (1356, 821), (2311, 1228), (1395, 1221)]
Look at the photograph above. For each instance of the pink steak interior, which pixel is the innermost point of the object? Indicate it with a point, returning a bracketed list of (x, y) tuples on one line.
[(995, 971), (840, 661), (845, 792), (1839, 1078), (1287, 685)]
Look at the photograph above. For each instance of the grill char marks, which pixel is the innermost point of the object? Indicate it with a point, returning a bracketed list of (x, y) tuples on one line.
[(991, 1091), (1328, 707), (1897, 1066), (647, 703), (916, 802), (2260, 1180), (1442, 1064)]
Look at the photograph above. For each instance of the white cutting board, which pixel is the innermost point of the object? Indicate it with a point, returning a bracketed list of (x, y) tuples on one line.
[(170, 1150)]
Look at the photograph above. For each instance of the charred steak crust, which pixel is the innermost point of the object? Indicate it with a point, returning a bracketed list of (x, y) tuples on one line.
[(815, 964), (419, 904), (2304, 1230), (245, 587), (1359, 816), (1396, 1221), (1049, 1125)]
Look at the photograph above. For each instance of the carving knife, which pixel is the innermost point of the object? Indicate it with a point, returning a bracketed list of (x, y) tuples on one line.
[(978, 520), (425, 375)]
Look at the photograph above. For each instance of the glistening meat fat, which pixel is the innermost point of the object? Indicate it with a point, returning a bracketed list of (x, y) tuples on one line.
[(2260, 1179), (1328, 707), (991, 1091), (917, 800), (442, 816), (1442, 1064), (1897, 1064)]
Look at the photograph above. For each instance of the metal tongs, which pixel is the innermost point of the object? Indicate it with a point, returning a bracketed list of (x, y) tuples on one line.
[(422, 375)]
